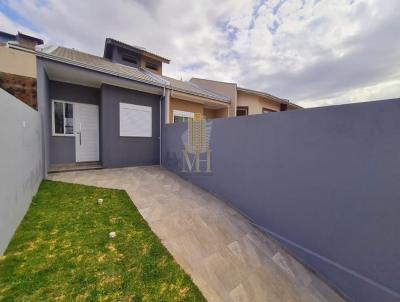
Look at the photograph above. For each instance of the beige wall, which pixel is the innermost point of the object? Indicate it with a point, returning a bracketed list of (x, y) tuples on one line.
[(256, 103), (182, 105), (17, 62), (224, 112), (209, 113), (215, 113), (176, 104), (293, 107), (147, 59), (227, 89)]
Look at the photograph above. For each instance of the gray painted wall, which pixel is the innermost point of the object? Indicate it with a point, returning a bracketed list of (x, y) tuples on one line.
[(324, 181), (117, 151), (73, 74), (62, 148), (43, 108), (21, 162)]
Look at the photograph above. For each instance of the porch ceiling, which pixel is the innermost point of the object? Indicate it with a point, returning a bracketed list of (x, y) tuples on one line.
[(208, 103)]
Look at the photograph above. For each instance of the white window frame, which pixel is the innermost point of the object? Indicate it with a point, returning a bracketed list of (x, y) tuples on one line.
[(53, 121), (129, 106), (181, 113)]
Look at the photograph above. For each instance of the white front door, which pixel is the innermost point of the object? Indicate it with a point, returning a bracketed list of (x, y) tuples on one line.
[(86, 125)]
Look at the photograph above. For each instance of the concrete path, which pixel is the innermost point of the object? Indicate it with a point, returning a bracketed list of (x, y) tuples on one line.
[(225, 255)]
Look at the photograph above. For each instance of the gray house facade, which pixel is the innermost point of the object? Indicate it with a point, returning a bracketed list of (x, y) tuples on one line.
[(96, 110)]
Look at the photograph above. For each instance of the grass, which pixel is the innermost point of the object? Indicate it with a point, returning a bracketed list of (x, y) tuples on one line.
[(62, 252)]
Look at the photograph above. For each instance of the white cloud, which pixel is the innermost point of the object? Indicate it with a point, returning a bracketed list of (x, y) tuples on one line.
[(10, 26), (313, 52)]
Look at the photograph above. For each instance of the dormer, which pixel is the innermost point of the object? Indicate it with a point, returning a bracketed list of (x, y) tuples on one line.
[(133, 56), (20, 39)]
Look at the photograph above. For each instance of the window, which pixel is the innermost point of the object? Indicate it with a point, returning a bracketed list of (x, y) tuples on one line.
[(242, 110), (135, 120), (151, 65), (182, 116), (129, 58), (63, 118), (266, 110)]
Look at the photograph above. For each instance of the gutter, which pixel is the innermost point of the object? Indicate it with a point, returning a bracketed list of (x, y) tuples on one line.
[(225, 101), (17, 47)]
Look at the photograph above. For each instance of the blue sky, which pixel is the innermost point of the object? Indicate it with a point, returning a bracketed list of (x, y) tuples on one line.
[(314, 52)]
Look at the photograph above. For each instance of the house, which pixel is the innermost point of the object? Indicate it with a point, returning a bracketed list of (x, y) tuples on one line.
[(108, 111), (224, 100), (18, 66), (246, 101)]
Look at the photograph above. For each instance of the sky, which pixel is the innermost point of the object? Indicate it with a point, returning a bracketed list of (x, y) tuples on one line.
[(312, 52)]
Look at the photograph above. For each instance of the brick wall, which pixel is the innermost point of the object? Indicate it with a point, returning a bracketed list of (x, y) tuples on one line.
[(22, 87)]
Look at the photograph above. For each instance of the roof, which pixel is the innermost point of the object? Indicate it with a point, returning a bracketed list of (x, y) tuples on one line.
[(267, 95), (37, 40), (100, 64), (3, 33), (21, 35), (110, 42), (96, 63), (192, 88)]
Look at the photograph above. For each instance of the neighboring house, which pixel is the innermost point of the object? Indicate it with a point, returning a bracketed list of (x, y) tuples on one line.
[(186, 99), (18, 66), (246, 101), (219, 99)]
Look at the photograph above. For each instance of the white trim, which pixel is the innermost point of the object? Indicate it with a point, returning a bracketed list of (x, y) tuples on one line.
[(167, 106), (53, 133), (182, 113)]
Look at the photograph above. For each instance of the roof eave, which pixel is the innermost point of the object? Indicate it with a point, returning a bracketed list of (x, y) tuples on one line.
[(264, 94), (94, 68), (226, 101)]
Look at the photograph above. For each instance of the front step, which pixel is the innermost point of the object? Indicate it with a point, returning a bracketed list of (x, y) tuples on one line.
[(75, 167)]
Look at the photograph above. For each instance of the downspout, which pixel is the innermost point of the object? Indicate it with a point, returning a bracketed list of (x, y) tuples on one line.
[(161, 98)]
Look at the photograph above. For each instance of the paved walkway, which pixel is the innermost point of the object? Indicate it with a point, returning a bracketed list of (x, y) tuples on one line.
[(225, 255)]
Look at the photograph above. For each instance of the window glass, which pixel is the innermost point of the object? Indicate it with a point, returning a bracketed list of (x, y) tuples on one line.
[(241, 111), (182, 116), (63, 116), (129, 58), (266, 110), (58, 118), (151, 66), (69, 121), (181, 119)]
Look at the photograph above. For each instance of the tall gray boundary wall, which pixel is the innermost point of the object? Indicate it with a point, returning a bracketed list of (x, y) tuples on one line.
[(323, 181), (21, 167)]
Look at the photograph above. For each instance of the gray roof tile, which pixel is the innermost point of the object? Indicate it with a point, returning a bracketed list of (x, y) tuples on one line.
[(192, 88), (76, 57)]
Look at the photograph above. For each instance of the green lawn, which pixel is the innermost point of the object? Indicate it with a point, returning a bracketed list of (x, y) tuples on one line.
[(62, 252)]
